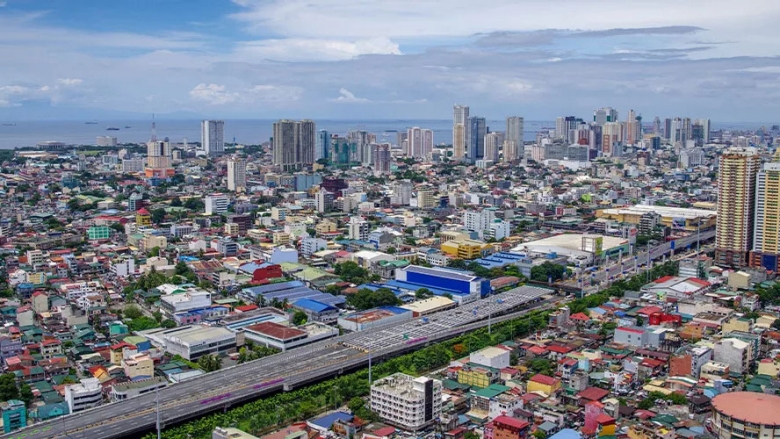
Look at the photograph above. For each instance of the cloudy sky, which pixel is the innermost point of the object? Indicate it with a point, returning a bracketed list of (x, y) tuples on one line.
[(389, 59)]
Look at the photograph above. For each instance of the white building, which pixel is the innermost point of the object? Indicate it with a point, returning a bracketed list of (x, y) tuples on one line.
[(85, 395), (212, 137), (479, 221), (734, 352), (123, 268), (236, 174), (493, 142), (407, 402), (130, 166), (492, 356), (216, 204), (498, 229), (105, 141), (358, 228), (419, 143), (193, 341), (460, 131), (312, 245), (176, 303), (691, 157)]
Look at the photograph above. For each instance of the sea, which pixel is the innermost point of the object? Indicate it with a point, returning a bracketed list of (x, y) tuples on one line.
[(243, 131)]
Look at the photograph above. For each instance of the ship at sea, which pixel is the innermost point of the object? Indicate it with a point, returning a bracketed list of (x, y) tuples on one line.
[(112, 129), (127, 126), (90, 123), (12, 124)]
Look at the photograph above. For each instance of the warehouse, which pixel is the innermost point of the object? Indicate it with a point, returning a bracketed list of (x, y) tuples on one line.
[(580, 249), (462, 285), (193, 341), (386, 315)]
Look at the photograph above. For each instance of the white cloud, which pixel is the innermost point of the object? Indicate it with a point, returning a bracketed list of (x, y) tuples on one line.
[(68, 82), (347, 97), (213, 94), (297, 49)]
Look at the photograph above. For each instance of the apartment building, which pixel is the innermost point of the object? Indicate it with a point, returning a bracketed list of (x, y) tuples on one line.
[(407, 402)]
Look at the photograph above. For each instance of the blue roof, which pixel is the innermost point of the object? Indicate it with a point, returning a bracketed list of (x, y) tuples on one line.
[(374, 287), (327, 421), (566, 433), (414, 287), (263, 289), (394, 309), (250, 267), (448, 273), (313, 305)]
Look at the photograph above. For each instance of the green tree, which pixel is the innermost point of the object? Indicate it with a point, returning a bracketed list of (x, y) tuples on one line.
[(132, 312), (423, 293), (547, 271), (154, 252), (157, 316), (299, 318), (158, 215), (209, 363), (471, 435), (26, 394), (176, 202), (168, 323), (539, 434), (8, 389), (351, 272), (367, 299)]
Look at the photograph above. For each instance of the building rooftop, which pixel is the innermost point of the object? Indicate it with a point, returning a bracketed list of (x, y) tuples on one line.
[(277, 331), (676, 212), (751, 407)]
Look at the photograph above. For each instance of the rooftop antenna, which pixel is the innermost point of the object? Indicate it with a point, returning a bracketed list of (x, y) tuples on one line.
[(154, 129)]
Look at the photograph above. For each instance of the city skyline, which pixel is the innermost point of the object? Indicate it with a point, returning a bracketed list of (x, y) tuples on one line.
[(247, 59)]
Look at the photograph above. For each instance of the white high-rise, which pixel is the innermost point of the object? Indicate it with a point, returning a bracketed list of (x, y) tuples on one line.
[(212, 137), (460, 131), (236, 174), (493, 142), (514, 137), (358, 228), (407, 402), (479, 221), (419, 143)]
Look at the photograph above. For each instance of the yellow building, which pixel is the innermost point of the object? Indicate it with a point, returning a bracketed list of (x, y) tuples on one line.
[(281, 238), (737, 324), (478, 375), (650, 431), (770, 367), (36, 278), (426, 199), (138, 365), (765, 253), (736, 197), (452, 236), (676, 218), (143, 217), (544, 384), (325, 226), (151, 241), (465, 249), (231, 229)]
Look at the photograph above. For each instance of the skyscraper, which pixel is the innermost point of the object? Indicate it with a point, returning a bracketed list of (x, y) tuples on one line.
[(419, 143), (766, 234), (701, 131), (514, 136), (323, 146), (633, 128), (612, 138), (236, 174), (476, 142), (460, 131), (512, 151), (604, 115), (736, 201), (381, 158), (212, 137), (293, 144), (492, 143)]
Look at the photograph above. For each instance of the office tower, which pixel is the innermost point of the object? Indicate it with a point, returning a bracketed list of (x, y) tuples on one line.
[(293, 144), (401, 140), (701, 131), (381, 158), (476, 143), (668, 129), (323, 146), (479, 221), (633, 128), (604, 115), (766, 234), (460, 132), (493, 142), (361, 139), (676, 131), (212, 137), (419, 143), (323, 200), (216, 204), (565, 126), (514, 136), (687, 129), (236, 174), (736, 200), (612, 138), (402, 192), (657, 126), (342, 150)]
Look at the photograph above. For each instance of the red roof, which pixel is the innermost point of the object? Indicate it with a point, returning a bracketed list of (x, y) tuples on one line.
[(245, 308), (537, 350), (698, 281), (385, 431), (276, 330), (510, 422), (593, 393), (648, 310), (605, 419), (580, 316), (143, 211), (543, 379), (558, 349), (664, 279), (634, 330), (649, 362)]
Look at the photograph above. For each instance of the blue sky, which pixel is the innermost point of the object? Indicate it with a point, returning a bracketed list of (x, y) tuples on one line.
[(340, 59)]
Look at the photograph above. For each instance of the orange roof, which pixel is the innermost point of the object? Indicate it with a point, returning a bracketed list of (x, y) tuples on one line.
[(544, 379)]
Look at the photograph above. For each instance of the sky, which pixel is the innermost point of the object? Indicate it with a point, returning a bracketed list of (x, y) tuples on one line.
[(389, 59)]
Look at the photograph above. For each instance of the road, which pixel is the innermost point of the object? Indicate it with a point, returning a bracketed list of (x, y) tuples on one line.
[(285, 371), (634, 263)]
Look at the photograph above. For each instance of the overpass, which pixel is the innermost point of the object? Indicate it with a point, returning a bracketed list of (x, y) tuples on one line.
[(285, 371)]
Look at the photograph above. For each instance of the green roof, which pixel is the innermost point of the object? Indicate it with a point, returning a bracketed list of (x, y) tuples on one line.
[(492, 391)]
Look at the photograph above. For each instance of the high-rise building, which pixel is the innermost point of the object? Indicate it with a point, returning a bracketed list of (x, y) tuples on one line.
[(668, 129), (381, 158), (419, 143), (604, 115), (512, 151), (476, 142), (657, 126), (766, 234), (514, 131), (212, 137), (736, 201), (701, 131), (479, 221), (236, 174), (633, 130), (493, 142), (358, 228), (158, 159), (323, 146), (293, 144), (612, 138), (216, 204), (460, 132), (105, 141)]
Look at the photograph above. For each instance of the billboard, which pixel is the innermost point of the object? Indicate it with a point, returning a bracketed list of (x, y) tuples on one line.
[(678, 223)]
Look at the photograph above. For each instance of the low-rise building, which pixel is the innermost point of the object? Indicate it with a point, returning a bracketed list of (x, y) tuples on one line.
[(407, 402), (85, 395)]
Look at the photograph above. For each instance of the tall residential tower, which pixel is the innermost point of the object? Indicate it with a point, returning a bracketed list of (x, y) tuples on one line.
[(736, 203), (293, 144), (212, 137)]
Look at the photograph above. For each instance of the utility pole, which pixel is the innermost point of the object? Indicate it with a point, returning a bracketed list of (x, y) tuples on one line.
[(157, 395), (369, 367)]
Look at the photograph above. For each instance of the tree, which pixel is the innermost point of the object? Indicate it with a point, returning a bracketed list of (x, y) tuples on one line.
[(547, 271), (351, 272), (391, 250), (367, 299), (640, 321), (168, 324), (209, 363), (154, 252), (158, 215), (132, 312), (539, 434), (26, 394), (299, 318), (143, 324), (423, 293), (8, 389), (176, 202), (457, 263), (471, 435), (157, 316)]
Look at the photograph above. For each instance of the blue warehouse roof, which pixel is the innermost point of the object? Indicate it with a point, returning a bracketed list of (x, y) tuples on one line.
[(313, 305)]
